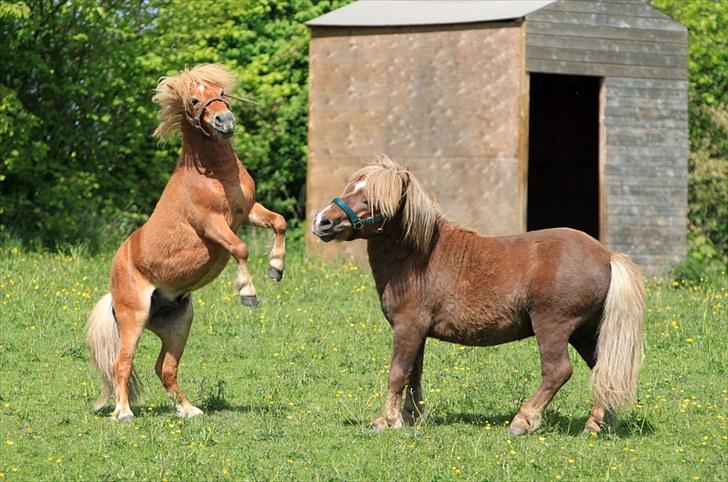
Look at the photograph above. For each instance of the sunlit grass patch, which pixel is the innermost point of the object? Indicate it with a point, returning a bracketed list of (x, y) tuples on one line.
[(290, 387)]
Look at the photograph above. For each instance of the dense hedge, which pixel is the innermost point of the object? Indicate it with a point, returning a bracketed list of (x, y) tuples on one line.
[(76, 152), (76, 80)]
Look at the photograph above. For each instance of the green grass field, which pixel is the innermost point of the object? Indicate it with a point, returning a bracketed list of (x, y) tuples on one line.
[(290, 387)]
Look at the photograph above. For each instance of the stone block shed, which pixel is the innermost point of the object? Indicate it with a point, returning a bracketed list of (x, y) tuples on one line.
[(515, 115)]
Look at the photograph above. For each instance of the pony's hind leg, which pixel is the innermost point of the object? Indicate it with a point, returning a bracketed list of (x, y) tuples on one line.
[(172, 326), (414, 407), (261, 217), (132, 311), (106, 392), (586, 346), (556, 369)]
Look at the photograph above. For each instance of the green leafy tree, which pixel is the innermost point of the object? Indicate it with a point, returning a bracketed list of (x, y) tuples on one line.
[(76, 112), (72, 77), (707, 23)]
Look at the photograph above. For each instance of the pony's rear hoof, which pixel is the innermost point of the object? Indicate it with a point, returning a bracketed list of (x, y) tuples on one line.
[(592, 427), (188, 411), (249, 301), (127, 417), (516, 431), (275, 274)]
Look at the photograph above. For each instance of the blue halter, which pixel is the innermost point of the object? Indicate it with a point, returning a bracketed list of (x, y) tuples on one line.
[(357, 223)]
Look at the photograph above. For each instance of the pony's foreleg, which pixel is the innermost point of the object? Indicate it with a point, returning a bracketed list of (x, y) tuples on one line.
[(555, 371), (173, 329), (414, 405), (261, 217), (218, 230), (407, 344)]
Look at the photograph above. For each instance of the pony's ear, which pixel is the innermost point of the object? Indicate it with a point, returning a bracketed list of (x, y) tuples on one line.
[(164, 82)]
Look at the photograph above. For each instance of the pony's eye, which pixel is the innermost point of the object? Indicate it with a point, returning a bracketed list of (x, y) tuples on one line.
[(195, 101), (366, 203)]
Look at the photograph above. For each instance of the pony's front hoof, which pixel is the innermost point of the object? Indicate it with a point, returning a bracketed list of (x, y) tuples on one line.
[(380, 424), (275, 274), (249, 301)]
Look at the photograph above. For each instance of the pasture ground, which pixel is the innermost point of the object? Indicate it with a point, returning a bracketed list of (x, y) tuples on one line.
[(290, 387)]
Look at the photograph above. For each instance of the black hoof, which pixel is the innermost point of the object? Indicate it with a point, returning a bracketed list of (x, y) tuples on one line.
[(274, 274), (249, 301)]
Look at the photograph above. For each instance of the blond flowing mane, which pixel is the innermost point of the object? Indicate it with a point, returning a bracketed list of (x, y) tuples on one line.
[(174, 94), (387, 186)]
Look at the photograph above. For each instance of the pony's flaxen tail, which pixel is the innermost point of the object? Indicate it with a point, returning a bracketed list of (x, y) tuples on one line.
[(102, 336), (620, 348)]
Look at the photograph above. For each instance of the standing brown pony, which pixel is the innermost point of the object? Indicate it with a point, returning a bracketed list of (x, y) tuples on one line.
[(184, 245), (437, 279)]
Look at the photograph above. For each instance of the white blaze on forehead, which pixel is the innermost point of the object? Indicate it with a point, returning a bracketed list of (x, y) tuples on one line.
[(359, 186), (200, 88)]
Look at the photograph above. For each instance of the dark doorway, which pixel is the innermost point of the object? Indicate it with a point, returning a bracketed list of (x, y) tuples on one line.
[(563, 153)]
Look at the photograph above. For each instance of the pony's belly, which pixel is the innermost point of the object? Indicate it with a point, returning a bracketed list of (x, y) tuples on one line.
[(475, 333)]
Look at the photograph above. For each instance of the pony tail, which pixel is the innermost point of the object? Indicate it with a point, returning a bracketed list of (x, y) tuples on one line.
[(620, 347), (102, 337)]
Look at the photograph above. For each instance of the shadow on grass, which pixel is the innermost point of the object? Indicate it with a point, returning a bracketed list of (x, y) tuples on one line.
[(630, 426), (168, 409), (553, 422)]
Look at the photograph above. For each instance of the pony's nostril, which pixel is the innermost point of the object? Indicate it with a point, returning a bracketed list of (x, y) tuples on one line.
[(325, 224), (223, 117)]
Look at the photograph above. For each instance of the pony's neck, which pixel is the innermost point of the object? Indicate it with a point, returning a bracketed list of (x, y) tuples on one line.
[(389, 250), (205, 153)]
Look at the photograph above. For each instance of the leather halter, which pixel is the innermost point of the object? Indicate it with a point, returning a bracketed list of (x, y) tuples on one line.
[(357, 224), (196, 121)]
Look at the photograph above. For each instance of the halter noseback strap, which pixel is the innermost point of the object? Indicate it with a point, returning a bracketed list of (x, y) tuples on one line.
[(196, 120), (357, 223)]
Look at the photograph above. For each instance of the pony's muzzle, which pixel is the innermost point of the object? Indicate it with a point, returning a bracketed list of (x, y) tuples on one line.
[(224, 123), (323, 227)]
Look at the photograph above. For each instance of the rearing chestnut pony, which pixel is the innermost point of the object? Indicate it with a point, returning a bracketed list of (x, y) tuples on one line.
[(437, 279), (184, 245)]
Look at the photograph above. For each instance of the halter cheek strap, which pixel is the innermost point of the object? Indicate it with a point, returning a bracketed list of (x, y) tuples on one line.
[(357, 223)]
